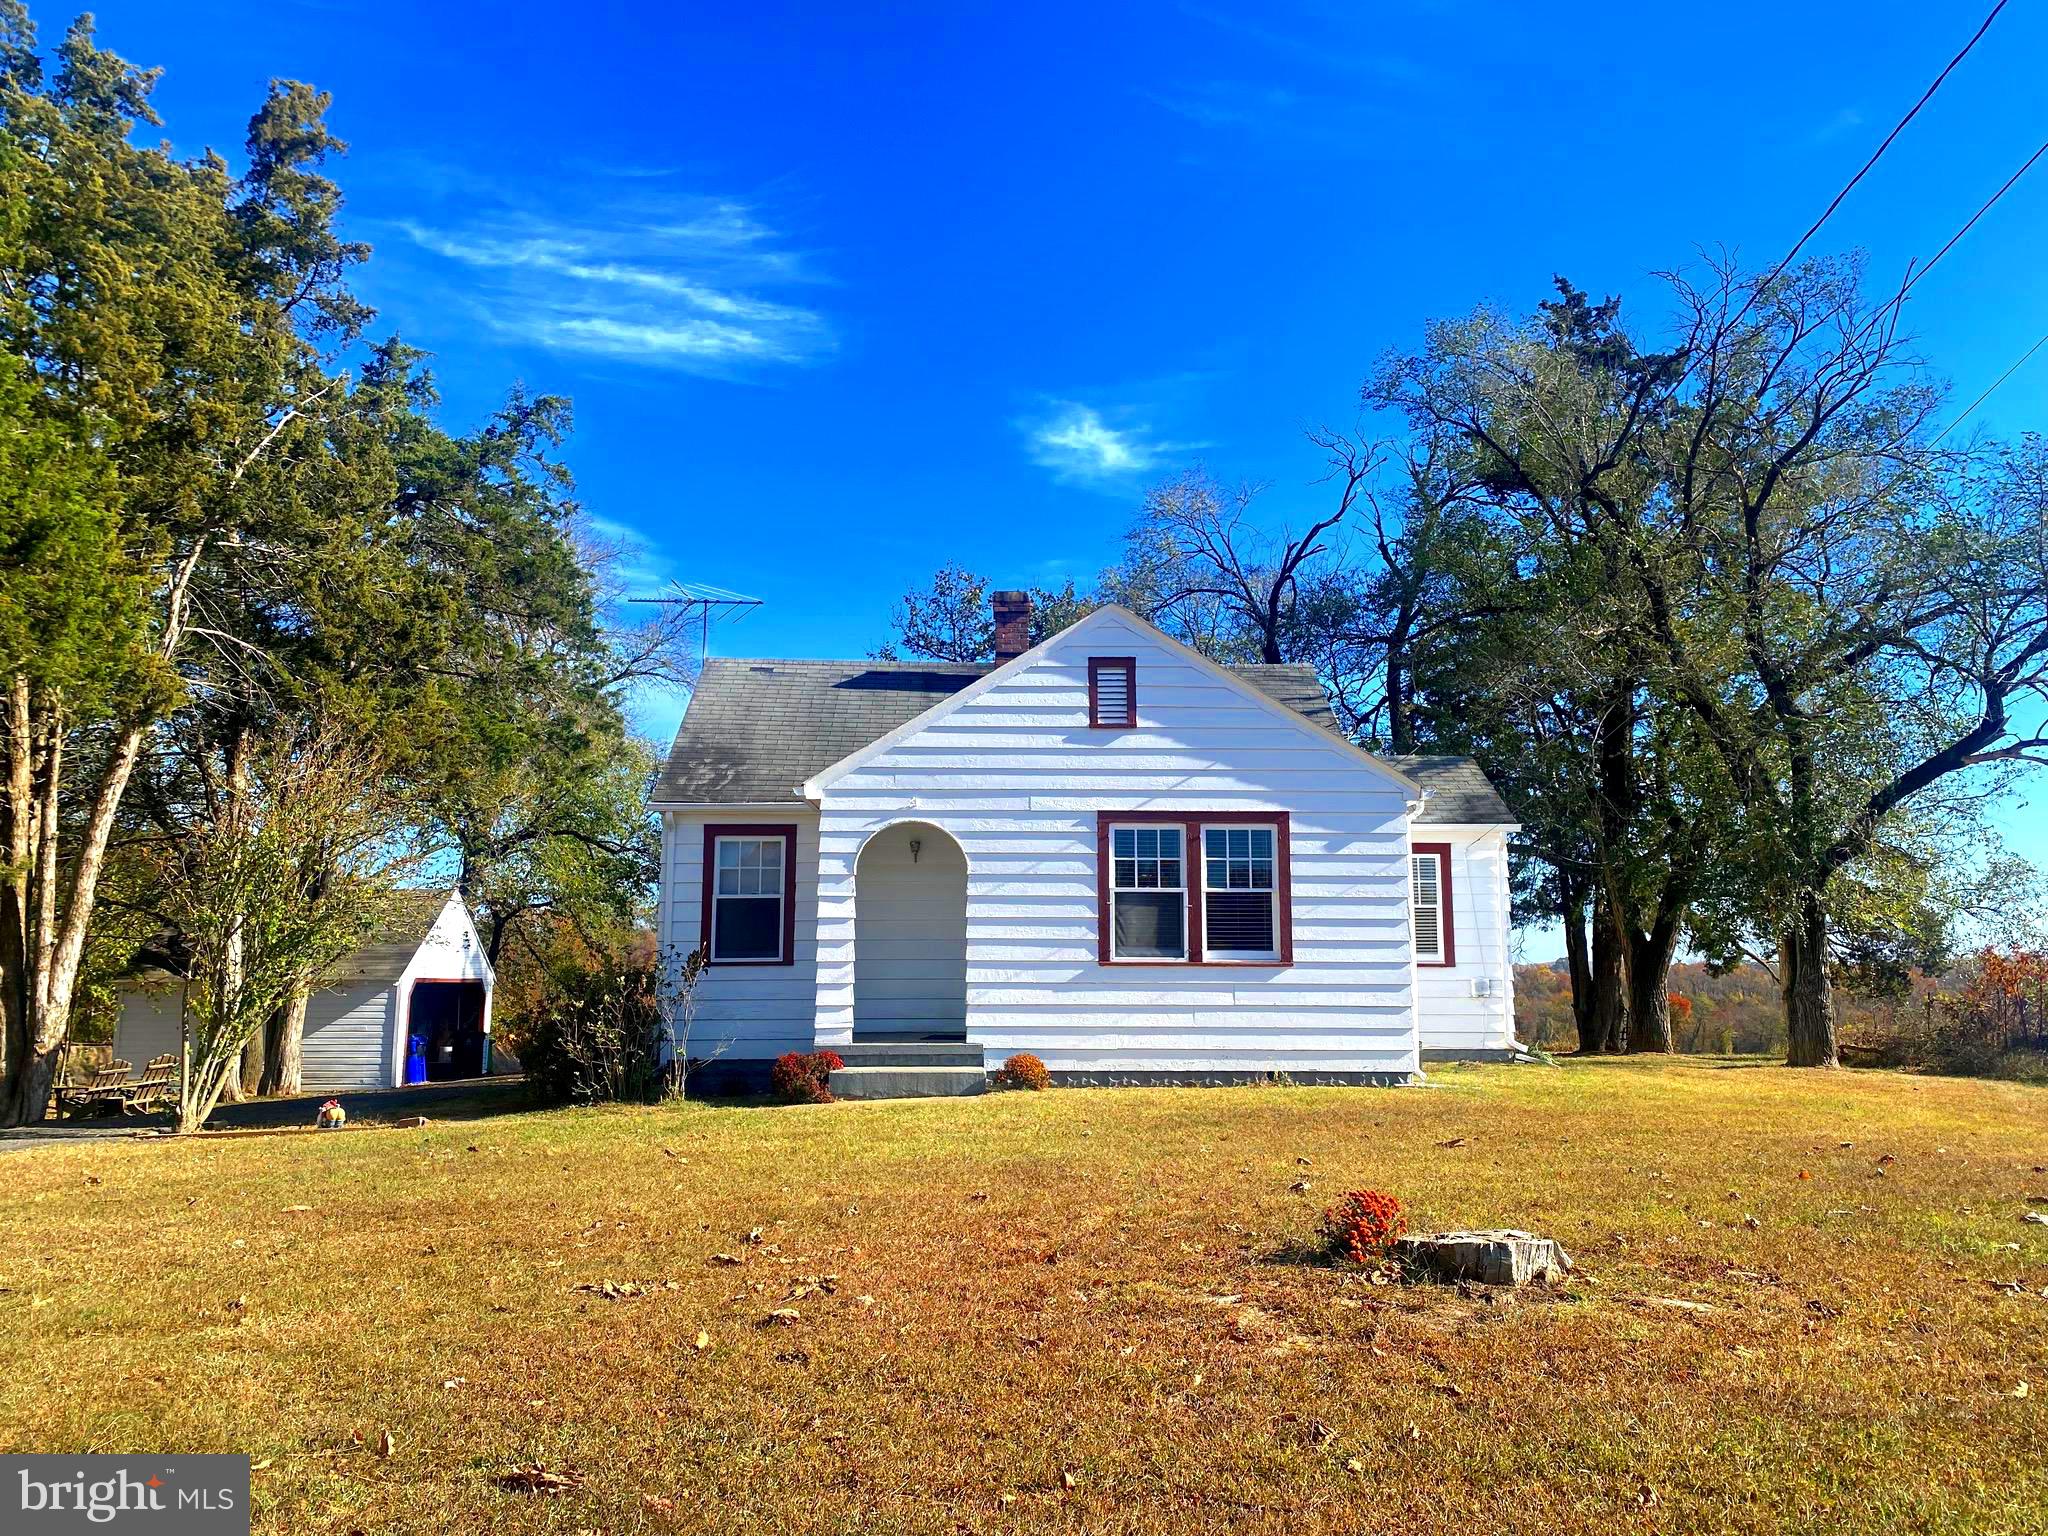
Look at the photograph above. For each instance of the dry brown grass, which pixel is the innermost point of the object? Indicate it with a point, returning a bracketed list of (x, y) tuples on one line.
[(1038, 1289)]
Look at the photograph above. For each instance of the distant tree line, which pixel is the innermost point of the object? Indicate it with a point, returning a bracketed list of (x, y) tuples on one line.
[(274, 642), (1746, 636)]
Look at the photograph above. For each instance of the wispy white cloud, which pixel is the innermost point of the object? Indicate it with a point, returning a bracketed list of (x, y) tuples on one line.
[(673, 282), (1845, 121), (1078, 444)]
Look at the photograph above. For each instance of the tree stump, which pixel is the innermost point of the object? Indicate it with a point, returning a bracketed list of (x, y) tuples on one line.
[(1491, 1258)]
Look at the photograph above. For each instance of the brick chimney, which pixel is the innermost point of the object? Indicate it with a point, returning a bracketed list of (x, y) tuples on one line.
[(1013, 624)]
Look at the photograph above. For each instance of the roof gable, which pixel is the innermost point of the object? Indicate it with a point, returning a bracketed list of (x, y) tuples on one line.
[(1289, 716)]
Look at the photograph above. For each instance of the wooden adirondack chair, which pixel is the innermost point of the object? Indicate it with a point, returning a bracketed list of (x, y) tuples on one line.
[(156, 1088), (106, 1089)]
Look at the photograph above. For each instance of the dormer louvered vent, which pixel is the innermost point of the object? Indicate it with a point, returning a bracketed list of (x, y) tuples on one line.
[(1113, 691)]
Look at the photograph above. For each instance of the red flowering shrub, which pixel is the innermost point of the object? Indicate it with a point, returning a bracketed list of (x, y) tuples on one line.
[(1363, 1225), (1023, 1070), (803, 1078)]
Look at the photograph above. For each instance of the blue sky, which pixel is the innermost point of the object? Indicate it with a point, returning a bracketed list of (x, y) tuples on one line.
[(841, 292)]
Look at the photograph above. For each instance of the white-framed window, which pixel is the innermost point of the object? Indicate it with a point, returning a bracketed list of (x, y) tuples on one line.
[(747, 899), (1429, 887), (1148, 893), (1240, 893)]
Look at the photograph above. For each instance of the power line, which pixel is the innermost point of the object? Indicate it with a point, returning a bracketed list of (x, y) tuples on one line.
[(2015, 368), (1878, 155), (1952, 239)]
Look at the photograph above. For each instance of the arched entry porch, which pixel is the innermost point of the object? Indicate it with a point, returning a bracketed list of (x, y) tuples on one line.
[(910, 936)]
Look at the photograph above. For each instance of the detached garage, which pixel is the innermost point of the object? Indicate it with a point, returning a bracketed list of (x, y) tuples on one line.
[(415, 1005)]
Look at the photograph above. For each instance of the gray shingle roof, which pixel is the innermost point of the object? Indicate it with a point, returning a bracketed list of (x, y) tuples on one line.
[(1458, 792), (392, 947), (384, 958), (757, 729)]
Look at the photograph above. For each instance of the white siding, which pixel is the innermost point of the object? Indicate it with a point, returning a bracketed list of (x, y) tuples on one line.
[(910, 940), (1017, 776), (351, 1035), (148, 1026), (1452, 1016), (744, 1012), (452, 951)]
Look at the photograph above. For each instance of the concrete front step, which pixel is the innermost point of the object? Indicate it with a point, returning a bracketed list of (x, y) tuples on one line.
[(912, 1053), (906, 1082)]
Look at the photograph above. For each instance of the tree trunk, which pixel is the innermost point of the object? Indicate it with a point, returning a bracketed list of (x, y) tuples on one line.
[(45, 906), (1606, 1029), (286, 1056), (254, 1065), (1649, 986), (1578, 958), (1400, 718), (1809, 994)]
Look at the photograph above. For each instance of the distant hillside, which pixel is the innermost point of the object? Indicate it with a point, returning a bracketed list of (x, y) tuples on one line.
[(1736, 1013)]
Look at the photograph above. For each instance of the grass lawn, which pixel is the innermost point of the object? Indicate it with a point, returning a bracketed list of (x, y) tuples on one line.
[(1072, 1310)]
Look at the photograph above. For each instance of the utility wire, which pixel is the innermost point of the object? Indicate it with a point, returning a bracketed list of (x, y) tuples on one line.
[(1756, 289), (1952, 239), (1878, 154), (2015, 368)]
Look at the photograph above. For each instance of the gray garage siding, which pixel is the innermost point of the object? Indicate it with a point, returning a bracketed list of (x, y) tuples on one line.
[(348, 1037)]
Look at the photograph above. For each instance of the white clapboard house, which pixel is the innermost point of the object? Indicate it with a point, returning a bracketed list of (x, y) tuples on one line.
[(425, 975), (1105, 850)]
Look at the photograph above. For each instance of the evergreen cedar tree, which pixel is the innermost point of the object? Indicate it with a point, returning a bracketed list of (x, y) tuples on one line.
[(194, 420)]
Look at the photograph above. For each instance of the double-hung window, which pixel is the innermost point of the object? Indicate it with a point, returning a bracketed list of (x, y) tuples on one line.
[(1429, 890), (748, 894), (1240, 896), (1193, 888), (1148, 892)]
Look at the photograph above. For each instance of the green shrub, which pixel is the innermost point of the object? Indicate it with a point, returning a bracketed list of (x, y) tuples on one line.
[(596, 1037)]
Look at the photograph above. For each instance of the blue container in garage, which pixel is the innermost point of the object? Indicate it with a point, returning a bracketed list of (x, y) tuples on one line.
[(415, 1059)]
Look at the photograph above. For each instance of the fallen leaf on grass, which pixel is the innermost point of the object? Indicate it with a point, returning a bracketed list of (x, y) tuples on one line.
[(703, 1341), (1455, 1141), (2038, 1218), (725, 1258), (260, 1466), (1675, 1303), (290, 1208), (611, 1290), (1067, 1479), (784, 1316), (1298, 1187), (655, 1501), (453, 1382), (534, 1478), (1355, 1466), (386, 1443), (2020, 1390)]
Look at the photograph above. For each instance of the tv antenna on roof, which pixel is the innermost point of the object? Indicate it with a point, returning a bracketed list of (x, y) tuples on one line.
[(708, 603)]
